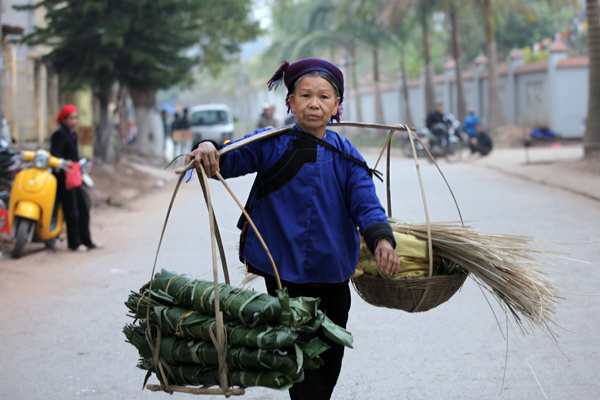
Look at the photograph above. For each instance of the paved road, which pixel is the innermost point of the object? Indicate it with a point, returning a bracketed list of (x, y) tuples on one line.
[(62, 314)]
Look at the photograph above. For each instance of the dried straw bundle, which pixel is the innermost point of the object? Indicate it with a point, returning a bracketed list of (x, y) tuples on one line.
[(507, 266)]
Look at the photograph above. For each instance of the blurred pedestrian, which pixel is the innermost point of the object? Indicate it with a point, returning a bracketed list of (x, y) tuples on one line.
[(481, 143), (436, 124), (175, 124), (63, 144), (470, 124), (267, 119), (184, 123)]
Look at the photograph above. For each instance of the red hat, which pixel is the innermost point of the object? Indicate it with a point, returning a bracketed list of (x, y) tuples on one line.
[(65, 112)]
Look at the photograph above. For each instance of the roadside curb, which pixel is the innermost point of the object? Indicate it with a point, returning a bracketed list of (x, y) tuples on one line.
[(540, 181)]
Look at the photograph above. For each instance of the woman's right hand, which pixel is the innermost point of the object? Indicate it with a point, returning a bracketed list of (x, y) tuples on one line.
[(207, 154), (68, 163)]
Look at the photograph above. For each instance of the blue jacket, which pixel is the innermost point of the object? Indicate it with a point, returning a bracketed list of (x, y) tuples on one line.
[(470, 124), (307, 203)]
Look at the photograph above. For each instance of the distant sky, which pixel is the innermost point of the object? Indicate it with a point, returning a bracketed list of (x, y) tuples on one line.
[(262, 13)]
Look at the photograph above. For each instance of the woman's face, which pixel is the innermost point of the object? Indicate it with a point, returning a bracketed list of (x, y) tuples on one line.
[(72, 121), (314, 103)]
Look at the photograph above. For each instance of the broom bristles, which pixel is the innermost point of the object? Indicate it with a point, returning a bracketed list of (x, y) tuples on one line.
[(506, 265)]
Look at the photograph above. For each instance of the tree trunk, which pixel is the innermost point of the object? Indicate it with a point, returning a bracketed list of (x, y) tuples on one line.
[(591, 138), (359, 115), (104, 143), (460, 93), (429, 89), (121, 133), (407, 112), (495, 113), (379, 117), (150, 132)]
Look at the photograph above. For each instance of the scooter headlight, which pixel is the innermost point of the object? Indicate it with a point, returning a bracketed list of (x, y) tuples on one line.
[(41, 160)]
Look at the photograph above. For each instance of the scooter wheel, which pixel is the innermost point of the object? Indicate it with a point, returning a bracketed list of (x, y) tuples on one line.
[(24, 227)]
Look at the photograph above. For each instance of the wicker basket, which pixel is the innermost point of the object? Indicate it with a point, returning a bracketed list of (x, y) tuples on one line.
[(410, 294)]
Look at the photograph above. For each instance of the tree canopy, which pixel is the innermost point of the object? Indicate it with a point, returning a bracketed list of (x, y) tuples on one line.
[(151, 43), (145, 45)]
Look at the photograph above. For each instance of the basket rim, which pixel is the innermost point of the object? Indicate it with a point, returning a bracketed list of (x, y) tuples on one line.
[(459, 275)]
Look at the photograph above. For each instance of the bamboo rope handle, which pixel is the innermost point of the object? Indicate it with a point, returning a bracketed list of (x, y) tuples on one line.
[(158, 361), (388, 145), (411, 134), (387, 142), (429, 241), (218, 237), (161, 367), (219, 343), (200, 390), (278, 131)]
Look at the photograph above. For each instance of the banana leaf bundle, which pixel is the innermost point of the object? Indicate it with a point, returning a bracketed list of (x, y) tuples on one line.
[(271, 351), (250, 307), (177, 351), (193, 375), (180, 322), (300, 314)]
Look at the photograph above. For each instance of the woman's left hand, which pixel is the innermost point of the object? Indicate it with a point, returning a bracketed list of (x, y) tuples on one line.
[(386, 257)]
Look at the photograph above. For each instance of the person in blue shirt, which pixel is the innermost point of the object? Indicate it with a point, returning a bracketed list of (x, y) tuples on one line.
[(470, 124), (312, 191)]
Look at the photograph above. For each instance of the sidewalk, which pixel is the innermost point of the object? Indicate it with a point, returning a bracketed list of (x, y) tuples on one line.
[(550, 166)]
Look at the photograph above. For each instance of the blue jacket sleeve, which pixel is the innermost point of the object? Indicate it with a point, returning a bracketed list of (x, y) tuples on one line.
[(364, 205), (248, 159)]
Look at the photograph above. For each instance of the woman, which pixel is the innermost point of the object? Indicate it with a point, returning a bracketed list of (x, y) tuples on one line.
[(63, 144), (312, 190)]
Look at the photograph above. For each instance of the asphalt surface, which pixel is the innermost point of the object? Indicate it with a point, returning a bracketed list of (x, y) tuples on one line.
[(62, 313)]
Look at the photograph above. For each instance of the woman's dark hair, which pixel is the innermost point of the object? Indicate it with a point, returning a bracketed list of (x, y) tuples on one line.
[(320, 74)]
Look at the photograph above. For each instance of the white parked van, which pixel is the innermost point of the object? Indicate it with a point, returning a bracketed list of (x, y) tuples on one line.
[(211, 122)]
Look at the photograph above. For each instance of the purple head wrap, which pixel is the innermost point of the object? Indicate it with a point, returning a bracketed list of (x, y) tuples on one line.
[(290, 73)]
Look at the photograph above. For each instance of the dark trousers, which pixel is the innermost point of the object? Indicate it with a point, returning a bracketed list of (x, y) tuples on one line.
[(442, 136), (318, 384), (77, 216)]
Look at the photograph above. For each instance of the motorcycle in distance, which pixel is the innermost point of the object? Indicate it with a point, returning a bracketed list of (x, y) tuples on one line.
[(452, 153), (34, 212), (10, 164)]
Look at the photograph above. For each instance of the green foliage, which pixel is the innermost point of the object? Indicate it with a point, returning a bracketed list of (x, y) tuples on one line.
[(517, 30), (148, 44), (536, 56), (331, 28), (72, 30)]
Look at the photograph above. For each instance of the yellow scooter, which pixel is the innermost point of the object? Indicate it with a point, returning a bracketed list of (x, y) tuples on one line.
[(34, 211)]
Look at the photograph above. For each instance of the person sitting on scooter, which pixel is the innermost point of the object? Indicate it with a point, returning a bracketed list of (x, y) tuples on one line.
[(63, 144), (482, 143), (437, 125)]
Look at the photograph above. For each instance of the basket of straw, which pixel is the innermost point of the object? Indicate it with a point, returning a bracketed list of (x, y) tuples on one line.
[(417, 286), (414, 288), (425, 279)]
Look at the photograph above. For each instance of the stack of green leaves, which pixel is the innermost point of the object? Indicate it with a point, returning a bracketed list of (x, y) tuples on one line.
[(266, 335)]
